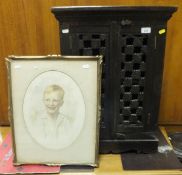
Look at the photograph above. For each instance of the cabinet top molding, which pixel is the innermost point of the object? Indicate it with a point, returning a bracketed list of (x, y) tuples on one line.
[(114, 8), (159, 12)]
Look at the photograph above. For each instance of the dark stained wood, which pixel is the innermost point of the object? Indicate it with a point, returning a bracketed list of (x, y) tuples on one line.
[(132, 67)]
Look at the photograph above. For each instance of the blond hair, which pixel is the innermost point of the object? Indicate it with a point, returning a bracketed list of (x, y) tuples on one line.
[(53, 88)]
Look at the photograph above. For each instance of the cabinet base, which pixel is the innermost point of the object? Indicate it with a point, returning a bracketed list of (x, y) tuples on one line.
[(143, 142)]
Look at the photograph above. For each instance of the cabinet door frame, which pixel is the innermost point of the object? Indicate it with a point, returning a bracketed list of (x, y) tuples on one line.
[(154, 67), (148, 112), (71, 41)]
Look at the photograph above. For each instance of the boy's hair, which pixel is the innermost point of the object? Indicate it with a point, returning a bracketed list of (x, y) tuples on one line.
[(53, 88)]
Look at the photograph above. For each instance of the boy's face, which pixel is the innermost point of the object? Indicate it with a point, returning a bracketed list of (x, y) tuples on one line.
[(53, 101)]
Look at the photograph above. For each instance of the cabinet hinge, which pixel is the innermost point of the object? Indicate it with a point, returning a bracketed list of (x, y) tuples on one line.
[(70, 41), (155, 42)]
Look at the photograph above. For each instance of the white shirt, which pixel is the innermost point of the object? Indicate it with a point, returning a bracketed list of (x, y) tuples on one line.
[(51, 131)]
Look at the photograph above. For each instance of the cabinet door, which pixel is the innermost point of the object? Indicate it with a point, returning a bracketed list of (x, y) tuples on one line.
[(133, 79), (91, 40)]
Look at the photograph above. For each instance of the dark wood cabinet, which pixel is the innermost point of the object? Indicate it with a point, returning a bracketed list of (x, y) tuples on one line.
[(132, 41)]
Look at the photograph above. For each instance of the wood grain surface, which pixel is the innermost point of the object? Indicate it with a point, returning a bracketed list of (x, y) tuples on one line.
[(29, 28)]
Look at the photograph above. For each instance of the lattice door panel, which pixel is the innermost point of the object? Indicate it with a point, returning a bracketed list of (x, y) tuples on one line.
[(96, 44), (132, 81)]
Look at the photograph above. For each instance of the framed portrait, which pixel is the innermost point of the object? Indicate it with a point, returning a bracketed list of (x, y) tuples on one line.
[(54, 109)]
